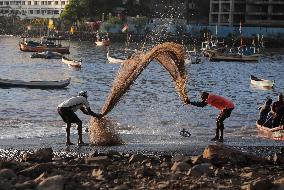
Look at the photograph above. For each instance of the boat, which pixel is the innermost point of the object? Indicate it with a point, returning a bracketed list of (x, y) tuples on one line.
[(103, 43), (276, 133), (234, 58), (113, 59), (46, 44), (72, 62), (47, 55), (261, 82), (7, 83)]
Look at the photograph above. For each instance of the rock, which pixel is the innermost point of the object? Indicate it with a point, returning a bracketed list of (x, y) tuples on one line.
[(263, 184), (181, 158), (148, 172), (7, 174), (163, 185), (224, 154), (98, 159), (278, 158), (97, 172), (26, 185), (41, 155), (36, 170), (52, 183), (137, 158), (121, 187), (198, 159), (180, 166), (200, 169), (40, 178), (248, 175)]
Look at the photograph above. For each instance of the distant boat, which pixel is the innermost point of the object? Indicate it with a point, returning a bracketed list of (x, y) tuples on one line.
[(72, 62), (103, 43), (234, 58), (261, 82), (7, 83), (47, 55), (276, 133), (113, 59), (46, 44)]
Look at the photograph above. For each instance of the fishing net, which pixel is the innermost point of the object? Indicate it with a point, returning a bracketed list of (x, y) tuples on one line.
[(169, 55)]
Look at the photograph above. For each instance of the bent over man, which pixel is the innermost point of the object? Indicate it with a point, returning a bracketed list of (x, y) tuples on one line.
[(221, 103), (67, 111)]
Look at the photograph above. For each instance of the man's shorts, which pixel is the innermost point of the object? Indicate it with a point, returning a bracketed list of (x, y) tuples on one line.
[(68, 115)]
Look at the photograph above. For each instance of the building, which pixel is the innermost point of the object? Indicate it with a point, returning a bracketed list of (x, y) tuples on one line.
[(267, 13), (32, 8)]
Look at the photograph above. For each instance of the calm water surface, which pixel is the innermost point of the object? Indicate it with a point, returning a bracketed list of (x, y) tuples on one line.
[(151, 113)]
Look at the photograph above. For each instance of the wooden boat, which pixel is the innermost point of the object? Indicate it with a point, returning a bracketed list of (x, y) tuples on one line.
[(46, 44), (72, 62), (261, 82), (113, 60), (7, 83), (234, 58), (276, 133), (47, 55), (103, 43)]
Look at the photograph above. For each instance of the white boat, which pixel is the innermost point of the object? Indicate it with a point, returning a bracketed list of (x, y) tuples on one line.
[(261, 82), (103, 43), (7, 83), (113, 60), (72, 62)]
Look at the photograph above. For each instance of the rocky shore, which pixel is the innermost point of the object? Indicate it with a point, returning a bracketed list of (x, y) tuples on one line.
[(219, 167)]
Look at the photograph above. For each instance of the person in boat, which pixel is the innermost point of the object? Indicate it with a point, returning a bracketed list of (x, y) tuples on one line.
[(277, 109), (67, 111), (264, 111), (224, 105)]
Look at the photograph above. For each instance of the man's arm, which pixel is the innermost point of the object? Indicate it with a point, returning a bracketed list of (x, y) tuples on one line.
[(199, 104), (88, 111)]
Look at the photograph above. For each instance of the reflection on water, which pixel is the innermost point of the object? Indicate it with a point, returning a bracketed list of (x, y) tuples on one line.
[(150, 112)]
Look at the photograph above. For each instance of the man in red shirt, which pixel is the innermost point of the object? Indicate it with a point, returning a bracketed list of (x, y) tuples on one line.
[(224, 105)]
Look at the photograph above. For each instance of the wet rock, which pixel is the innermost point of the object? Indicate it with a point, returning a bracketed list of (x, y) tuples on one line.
[(7, 174), (278, 158), (121, 187), (181, 158), (180, 166), (262, 184), (163, 185), (198, 159), (224, 154), (41, 155), (97, 160), (52, 183), (200, 169), (36, 170), (26, 185), (137, 158)]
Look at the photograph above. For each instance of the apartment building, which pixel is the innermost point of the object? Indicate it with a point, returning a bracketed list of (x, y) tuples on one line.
[(250, 12), (32, 8)]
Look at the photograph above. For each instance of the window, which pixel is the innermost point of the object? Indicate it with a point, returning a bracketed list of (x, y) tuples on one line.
[(35, 3), (56, 2), (62, 2), (38, 12), (56, 12), (49, 2), (31, 12), (23, 2), (29, 2), (42, 12), (1, 2), (7, 3)]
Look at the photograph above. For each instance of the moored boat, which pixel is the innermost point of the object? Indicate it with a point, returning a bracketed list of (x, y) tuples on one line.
[(46, 44), (47, 55), (103, 43), (261, 82), (276, 133), (234, 58), (72, 62), (7, 83), (113, 59)]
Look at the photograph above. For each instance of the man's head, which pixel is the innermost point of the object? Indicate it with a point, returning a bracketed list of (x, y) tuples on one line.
[(84, 94), (204, 95), (280, 97)]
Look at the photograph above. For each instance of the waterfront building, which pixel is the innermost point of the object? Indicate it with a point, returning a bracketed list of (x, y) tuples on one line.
[(32, 8), (267, 13)]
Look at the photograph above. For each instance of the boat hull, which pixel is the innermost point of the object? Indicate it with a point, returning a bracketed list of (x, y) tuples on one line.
[(6, 83), (236, 58), (26, 48), (72, 63), (276, 133), (103, 43), (114, 60)]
